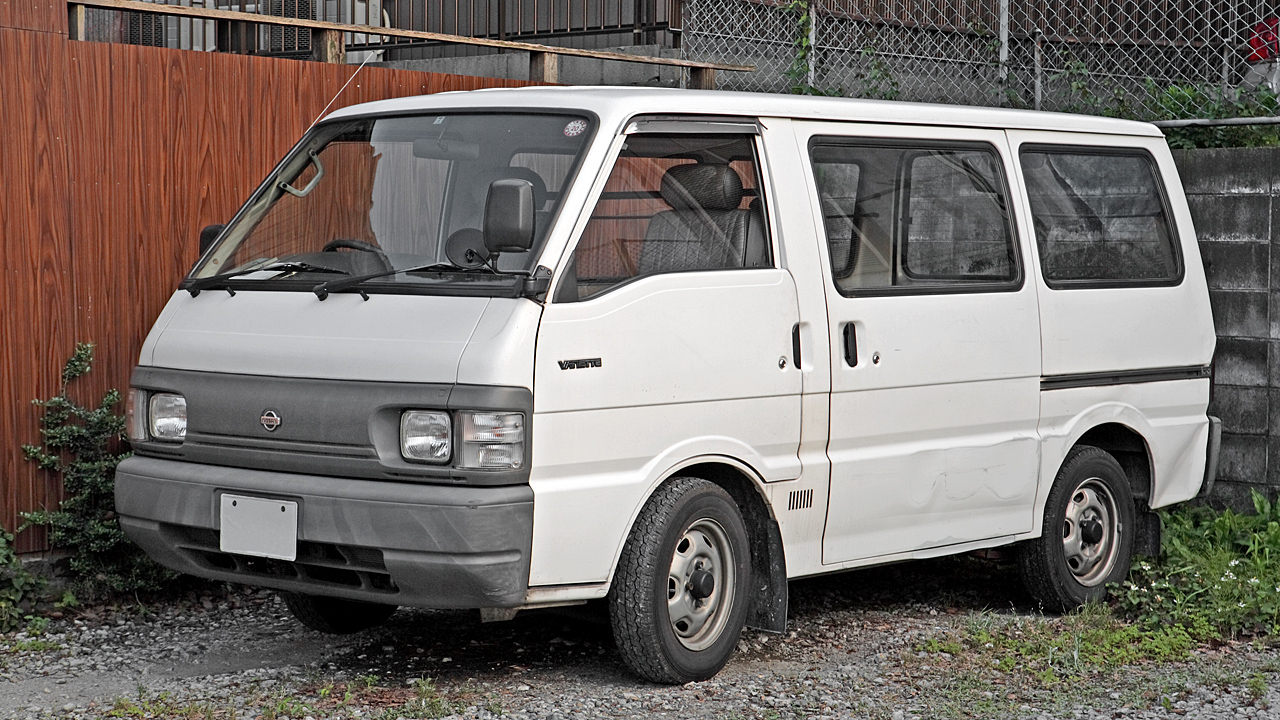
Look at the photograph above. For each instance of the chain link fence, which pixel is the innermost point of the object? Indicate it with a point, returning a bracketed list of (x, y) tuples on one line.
[(1145, 59)]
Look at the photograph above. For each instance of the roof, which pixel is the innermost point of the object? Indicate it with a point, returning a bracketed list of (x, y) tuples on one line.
[(614, 104)]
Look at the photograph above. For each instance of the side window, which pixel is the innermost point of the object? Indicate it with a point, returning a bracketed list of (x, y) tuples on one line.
[(672, 203), (1100, 217), (906, 217)]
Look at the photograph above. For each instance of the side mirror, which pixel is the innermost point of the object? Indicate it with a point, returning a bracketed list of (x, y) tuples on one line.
[(508, 216), (208, 235)]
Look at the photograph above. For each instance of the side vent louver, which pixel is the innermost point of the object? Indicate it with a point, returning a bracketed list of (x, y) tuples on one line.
[(800, 499)]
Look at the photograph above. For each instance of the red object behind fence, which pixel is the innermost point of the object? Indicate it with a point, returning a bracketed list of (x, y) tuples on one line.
[(1264, 41)]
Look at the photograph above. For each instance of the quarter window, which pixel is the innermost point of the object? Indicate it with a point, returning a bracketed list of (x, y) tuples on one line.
[(673, 203), (915, 217), (1100, 218)]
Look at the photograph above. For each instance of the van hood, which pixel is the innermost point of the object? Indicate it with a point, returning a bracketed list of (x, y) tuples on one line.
[(394, 338)]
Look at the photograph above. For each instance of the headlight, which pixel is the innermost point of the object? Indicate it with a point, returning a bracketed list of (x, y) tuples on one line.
[(491, 440), (168, 417), (135, 415), (426, 436)]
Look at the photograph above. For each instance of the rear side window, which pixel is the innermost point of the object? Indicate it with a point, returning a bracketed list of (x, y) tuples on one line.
[(913, 218), (1100, 217)]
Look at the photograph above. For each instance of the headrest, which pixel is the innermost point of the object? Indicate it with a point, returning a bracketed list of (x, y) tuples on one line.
[(710, 187), (520, 172)]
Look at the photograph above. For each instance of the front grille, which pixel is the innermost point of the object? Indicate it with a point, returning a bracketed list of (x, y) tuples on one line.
[(340, 566)]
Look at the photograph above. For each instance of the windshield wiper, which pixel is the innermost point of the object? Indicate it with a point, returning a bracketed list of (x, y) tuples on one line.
[(195, 286), (331, 286)]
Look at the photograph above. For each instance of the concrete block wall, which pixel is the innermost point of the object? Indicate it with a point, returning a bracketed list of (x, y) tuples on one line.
[(1234, 194)]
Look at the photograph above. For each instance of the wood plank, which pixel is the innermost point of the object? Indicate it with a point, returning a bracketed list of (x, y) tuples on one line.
[(36, 323), (39, 15), (196, 12)]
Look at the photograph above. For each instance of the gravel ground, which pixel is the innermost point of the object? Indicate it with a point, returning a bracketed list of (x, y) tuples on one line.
[(863, 644)]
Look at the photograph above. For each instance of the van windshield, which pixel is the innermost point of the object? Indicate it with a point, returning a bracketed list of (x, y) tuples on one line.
[(386, 196)]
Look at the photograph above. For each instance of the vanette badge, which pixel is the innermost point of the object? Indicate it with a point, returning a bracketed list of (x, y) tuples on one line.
[(578, 364), (270, 420)]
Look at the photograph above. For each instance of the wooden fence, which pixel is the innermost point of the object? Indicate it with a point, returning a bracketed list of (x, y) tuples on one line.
[(115, 156)]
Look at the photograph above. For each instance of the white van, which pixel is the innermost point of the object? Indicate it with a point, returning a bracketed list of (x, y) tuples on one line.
[(510, 349)]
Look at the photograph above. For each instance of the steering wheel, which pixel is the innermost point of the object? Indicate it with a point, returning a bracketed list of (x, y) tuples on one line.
[(335, 245)]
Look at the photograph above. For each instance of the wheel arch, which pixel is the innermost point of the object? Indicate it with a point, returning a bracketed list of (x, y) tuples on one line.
[(768, 609), (1130, 449)]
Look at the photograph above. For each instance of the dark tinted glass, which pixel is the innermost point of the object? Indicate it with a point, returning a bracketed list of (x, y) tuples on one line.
[(1099, 217), (902, 216)]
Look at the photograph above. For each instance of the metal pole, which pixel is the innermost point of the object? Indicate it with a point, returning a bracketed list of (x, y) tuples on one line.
[(1039, 70), (1214, 122), (1228, 33), (812, 78), (1004, 41)]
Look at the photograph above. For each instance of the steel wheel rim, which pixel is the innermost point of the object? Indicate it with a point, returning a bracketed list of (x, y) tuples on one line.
[(1091, 532), (699, 622)]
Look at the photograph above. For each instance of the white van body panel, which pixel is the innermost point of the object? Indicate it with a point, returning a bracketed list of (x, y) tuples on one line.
[(1108, 329), (690, 364), (1100, 330), (146, 356), (933, 433), (795, 229), (395, 338), (586, 500), (500, 351), (1168, 415)]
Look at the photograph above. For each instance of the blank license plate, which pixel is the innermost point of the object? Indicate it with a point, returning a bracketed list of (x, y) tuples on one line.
[(261, 527)]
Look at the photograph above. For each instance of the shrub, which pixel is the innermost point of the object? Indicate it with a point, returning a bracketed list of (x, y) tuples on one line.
[(1178, 102), (82, 446), (1218, 575), (18, 587)]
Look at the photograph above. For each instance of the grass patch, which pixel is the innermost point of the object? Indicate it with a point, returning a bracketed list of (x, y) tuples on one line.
[(163, 705), (31, 645), (1218, 576), (1042, 652)]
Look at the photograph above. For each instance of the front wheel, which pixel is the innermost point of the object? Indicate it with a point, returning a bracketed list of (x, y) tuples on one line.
[(679, 596), (1087, 538)]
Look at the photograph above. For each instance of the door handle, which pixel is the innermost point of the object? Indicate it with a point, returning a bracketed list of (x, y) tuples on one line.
[(795, 345), (850, 345)]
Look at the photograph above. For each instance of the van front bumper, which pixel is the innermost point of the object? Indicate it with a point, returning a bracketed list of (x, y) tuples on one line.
[(438, 546)]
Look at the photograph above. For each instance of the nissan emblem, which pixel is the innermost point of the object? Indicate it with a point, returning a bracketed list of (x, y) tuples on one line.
[(270, 420)]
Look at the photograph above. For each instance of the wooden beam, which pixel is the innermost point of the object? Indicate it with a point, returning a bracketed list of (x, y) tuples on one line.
[(701, 78), (544, 67), (77, 22), (328, 46), (209, 14)]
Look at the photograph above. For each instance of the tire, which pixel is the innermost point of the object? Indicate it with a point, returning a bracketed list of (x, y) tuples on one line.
[(688, 531), (1087, 538), (336, 616)]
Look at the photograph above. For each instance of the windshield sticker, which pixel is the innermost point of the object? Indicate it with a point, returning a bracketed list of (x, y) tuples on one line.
[(575, 128), (438, 120)]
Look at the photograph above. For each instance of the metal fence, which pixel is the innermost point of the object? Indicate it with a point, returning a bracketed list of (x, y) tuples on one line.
[(615, 22), (1145, 59)]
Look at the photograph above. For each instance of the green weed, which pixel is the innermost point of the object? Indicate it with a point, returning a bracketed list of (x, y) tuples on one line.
[(1049, 652), (1218, 575), (1256, 686)]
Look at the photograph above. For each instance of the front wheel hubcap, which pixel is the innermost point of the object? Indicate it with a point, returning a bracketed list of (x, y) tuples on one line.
[(1091, 533), (700, 584)]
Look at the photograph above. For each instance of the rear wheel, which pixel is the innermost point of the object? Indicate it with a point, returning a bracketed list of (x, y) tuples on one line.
[(336, 616), (679, 596), (1087, 538)]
